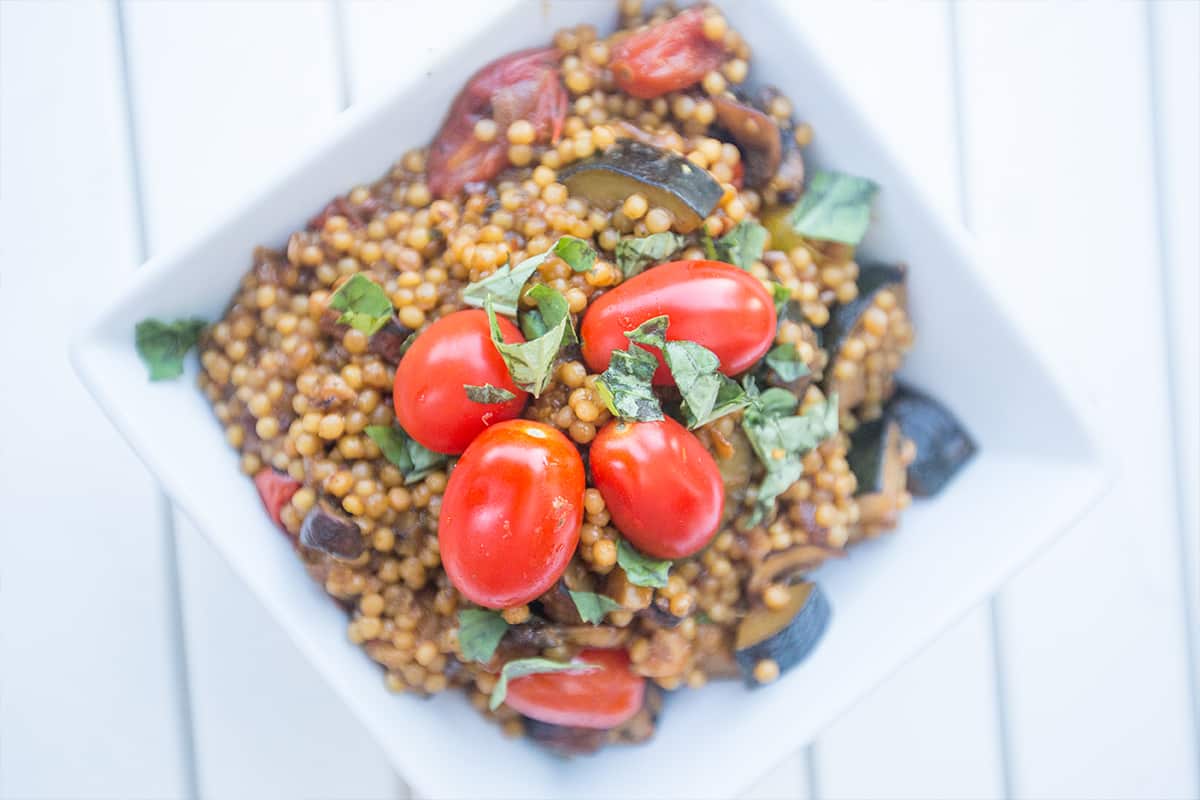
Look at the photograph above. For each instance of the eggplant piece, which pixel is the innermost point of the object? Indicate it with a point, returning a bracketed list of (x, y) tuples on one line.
[(332, 532), (943, 446), (786, 636), (557, 605), (787, 565), (563, 739), (756, 135), (666, 179), (876, 458), (391, 341), (659, 612), (847, 320)]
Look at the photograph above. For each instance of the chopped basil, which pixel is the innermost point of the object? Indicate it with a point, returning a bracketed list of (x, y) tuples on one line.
[(835, 207), (626, 388), (414, 459), (642, 570), (707, 394), (531, 666), (786, 362), (363, 303), (780, 440), (592, 607), (578, 254), (503, 287), (781, 295), (162, 345), (487, 394), (634, 255), (479, 633), (551, 307), (742, 246), (652, 332), (530, 363)]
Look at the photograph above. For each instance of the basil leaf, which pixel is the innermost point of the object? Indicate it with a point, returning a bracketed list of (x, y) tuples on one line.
[(626, 386), (162, 345), (531, 363), (780, 441), (652, 332), (707, 394), (578, 254), (363, 303), (479, 633), (551, 308), (743, 245), (641, 570), (729, 398), (413, 458), (592, 607), (786, 362), (488, 394), (781, 295), (504, 285), (531, 666), (634, 255), (835, 207)]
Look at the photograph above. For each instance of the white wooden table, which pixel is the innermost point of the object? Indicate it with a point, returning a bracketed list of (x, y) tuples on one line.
[(132, 662)]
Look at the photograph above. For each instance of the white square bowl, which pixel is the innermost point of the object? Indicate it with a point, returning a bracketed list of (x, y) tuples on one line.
[(1037, 469)]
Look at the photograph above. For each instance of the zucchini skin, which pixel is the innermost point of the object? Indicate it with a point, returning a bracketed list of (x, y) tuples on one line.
[(943, 445), (666, 179), (844, 319), (791, 644)]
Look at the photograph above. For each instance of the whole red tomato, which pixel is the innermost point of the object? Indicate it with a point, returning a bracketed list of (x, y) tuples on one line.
[(600, 698), (665, 58), (456, 351), (717, 305), (511, 513), (662, 488)]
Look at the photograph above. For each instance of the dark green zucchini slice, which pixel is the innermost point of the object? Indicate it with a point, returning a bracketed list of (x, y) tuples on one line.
[(943, 446), (664, 178), (846, 321), (877, 461), (786, 636)]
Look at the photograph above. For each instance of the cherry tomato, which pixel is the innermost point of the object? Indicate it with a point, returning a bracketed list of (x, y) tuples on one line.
[(717, 305), (511, 513), (666, 58), (276, 489), (600, 698), (431, 403), (661, 487), (523, 85)]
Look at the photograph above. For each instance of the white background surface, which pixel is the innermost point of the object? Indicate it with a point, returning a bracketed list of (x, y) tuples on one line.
[(133, 664)]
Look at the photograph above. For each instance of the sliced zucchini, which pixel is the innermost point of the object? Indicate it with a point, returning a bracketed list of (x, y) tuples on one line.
[(943, 445), (786, 636), (863, 374), (877, 460), (664, 178)]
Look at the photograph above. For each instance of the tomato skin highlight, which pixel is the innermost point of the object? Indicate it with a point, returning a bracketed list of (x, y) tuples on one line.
[(431, 404), (511, 513), (660, 485), (714, 304), (602, 698), (275, 489), (523, 85), (665, 58)]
